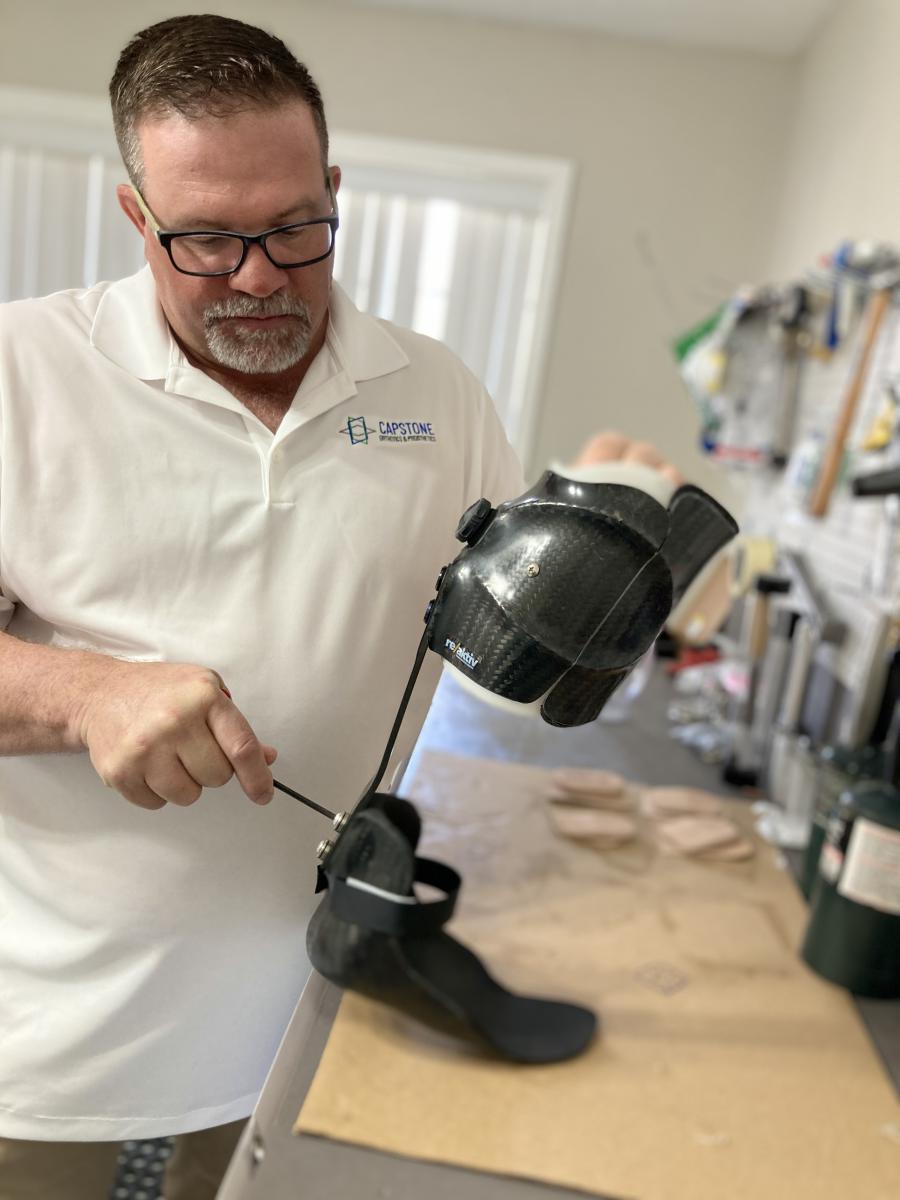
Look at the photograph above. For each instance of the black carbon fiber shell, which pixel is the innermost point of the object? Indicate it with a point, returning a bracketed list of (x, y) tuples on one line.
[(699, 526), (568, 586)]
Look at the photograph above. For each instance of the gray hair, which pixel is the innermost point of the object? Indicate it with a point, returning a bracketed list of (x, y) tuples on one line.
[(204, 66)]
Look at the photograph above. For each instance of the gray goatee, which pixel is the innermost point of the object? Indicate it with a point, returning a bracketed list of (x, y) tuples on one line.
[(258, 351)]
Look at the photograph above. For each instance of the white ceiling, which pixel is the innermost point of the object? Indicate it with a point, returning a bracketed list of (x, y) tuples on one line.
[(773, 26)]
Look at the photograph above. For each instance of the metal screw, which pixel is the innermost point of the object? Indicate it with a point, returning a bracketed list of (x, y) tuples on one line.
[(324, 848), (339, 821), (533, 569), (257, 1151)]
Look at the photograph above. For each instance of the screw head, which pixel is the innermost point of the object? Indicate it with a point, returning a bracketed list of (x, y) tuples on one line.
[(533, 569), (339, 821), (324, 848)]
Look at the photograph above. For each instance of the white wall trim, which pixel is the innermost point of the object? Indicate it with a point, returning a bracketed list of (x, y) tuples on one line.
[(57, 121)]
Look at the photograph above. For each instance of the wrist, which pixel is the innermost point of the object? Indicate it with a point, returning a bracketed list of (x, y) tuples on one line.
[(89, 681)]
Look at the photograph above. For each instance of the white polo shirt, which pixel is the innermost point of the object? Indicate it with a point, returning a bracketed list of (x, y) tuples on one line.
[(149, 961)]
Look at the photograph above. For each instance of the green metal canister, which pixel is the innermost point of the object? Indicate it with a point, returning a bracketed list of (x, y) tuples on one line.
[(838, 770), (853, 937)]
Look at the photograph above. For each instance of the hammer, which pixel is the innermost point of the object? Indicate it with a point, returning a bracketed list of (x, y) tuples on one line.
[(882, 282)]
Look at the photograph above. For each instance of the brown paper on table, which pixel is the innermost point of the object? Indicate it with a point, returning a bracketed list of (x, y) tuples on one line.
[(724, 1070)]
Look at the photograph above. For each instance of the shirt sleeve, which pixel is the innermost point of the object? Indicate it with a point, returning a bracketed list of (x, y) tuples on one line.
[(501, 471)]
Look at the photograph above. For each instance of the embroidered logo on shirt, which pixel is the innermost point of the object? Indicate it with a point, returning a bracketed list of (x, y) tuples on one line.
[(357, 430), (388, 431), (406, 431)]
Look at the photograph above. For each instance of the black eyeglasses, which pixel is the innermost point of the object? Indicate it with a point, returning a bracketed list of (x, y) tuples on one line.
[(222, 252)]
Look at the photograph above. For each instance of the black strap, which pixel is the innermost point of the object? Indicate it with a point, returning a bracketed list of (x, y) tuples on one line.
[(399, 916), (370, 791)]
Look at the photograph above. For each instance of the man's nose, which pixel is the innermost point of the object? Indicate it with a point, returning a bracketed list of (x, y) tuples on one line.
[(257, 275)]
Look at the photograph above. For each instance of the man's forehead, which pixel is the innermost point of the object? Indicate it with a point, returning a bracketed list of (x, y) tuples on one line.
[(240, 143), (263, 163)]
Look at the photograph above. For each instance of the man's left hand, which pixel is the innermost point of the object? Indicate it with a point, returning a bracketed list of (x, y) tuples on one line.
[(615, 447)]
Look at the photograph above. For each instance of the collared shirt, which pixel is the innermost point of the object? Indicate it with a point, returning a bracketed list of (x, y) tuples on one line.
[(149, 961)]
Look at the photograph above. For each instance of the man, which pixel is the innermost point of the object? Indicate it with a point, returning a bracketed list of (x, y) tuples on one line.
[(205, 552)]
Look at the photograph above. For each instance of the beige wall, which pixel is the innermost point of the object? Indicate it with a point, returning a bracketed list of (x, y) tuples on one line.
[(679, 155), (842, 176)]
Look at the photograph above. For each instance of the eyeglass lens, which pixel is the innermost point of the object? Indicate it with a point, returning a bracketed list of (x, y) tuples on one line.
[(212, 253)]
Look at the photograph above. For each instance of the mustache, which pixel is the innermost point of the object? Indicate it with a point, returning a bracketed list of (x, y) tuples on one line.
[(256, 306)]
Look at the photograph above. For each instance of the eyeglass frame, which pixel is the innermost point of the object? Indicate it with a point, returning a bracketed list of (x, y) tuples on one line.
[(165, 237)]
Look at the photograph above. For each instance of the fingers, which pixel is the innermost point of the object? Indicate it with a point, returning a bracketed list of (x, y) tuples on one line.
[(128, 783), (201, 756), (175, 781), (162, 732), (602, 447), (170, 781), (674, 474), (609, 446), (644, 453), (243, 750), (161, 780), (141, 795)]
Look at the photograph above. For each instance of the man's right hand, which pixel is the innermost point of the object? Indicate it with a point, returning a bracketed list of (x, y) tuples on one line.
[(161, 732)]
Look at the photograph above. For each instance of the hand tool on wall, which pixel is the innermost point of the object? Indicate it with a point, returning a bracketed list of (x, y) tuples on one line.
[(789, 768), (886, 485), (884, 427), (733, 376), (790, 319), (882, 289), (860, 666), (772, 677), (744, 764), (785, 823), (883, 728)]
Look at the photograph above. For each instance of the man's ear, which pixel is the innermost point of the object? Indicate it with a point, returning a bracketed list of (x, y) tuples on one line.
[(335, 173), (130, 208)]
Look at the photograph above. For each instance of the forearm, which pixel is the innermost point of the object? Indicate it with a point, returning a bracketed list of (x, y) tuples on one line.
[(42, 695)]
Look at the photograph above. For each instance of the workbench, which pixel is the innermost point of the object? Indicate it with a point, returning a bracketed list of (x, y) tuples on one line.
[(274, 1163)]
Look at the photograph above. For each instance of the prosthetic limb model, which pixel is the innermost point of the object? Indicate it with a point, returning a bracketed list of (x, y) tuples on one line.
[(556, 596)]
